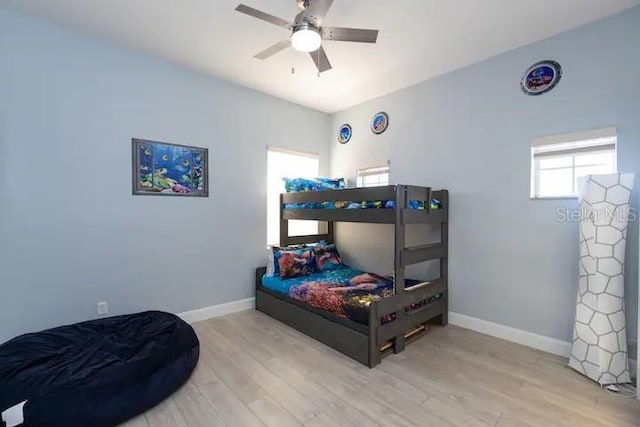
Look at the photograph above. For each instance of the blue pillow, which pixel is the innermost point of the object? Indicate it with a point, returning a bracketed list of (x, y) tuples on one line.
[(331, 183), (294, 185)]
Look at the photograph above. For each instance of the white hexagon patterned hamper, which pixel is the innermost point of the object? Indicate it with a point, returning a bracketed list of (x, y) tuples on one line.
[(599, 348)]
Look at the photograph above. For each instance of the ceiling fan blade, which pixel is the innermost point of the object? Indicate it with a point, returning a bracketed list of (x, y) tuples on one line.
[(317, 10), (247, 10), (349, 34), (281, 45), (321, 60)]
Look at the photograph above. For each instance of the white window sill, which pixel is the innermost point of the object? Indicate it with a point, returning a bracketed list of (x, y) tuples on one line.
[(553, 197)]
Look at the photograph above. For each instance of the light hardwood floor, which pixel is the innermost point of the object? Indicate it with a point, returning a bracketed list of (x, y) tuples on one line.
[(255, 371)]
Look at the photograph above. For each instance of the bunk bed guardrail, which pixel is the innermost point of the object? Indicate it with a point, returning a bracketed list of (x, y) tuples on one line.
[(379, 216)]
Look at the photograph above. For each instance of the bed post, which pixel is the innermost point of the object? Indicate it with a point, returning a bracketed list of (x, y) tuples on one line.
[(374, 350), (398, 267), (331, 236), (284, 225), (444, 262)]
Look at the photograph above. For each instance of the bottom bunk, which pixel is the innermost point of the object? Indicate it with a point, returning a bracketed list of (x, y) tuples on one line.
[(354, 312)]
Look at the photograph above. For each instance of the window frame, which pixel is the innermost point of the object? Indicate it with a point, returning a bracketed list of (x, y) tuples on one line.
[(380, 170), (598, 141), (292, 226)]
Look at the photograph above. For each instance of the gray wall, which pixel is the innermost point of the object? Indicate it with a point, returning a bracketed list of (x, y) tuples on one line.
[(71, 234), (511, 262)]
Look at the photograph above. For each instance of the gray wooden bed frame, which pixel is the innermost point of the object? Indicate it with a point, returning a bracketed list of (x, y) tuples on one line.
[(368, 344)]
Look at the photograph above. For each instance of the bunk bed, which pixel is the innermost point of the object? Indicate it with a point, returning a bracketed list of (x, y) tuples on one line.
[(393, 320)]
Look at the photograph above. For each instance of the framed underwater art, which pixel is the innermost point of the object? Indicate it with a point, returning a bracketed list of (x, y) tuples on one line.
[(163, 169)]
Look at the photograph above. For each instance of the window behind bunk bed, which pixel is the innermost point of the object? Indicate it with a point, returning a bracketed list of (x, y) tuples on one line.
[(284, 163), (372, 177)]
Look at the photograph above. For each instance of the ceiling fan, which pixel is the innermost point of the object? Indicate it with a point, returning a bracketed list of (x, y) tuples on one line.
[(307, 31)]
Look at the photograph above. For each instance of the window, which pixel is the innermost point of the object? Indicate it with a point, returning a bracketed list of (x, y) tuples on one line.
[(282, 163), (372, 177), (558, 161)]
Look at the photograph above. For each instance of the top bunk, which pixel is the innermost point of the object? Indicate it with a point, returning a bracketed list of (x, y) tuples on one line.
[(390, 204)]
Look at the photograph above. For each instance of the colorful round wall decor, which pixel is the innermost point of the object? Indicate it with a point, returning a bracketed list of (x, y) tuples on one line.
[(344, 134), (541, 77), (380, 123)]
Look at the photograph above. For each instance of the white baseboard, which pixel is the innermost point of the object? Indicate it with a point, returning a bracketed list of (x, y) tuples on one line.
[(217, 310), (539, 342), (518, 336)]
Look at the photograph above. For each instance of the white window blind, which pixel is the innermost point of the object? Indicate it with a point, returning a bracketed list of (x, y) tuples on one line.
[(284, 163), (372, 177), (558, 161)]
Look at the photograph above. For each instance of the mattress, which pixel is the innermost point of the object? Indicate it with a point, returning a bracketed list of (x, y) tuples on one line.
[(343, 291), (362, 204)]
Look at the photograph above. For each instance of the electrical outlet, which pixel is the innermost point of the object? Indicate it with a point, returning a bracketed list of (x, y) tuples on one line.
[(103, 308)]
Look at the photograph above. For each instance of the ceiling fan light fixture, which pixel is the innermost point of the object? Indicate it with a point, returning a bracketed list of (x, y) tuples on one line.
[(306, 39), (307, 31)]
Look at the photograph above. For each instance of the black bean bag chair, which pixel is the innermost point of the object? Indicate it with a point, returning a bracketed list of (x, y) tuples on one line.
[(98, 373)]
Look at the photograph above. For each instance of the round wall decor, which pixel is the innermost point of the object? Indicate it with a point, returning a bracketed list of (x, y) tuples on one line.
[(380, 123), (541, 77), (344, 134)]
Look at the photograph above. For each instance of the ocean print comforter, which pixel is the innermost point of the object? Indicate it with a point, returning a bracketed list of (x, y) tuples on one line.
[(343, 291)]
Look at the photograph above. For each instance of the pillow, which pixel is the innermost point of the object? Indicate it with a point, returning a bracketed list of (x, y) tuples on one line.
[(300, 262), (273, 255), (271, 268), (327, 257), (331, 183), (294, 185)]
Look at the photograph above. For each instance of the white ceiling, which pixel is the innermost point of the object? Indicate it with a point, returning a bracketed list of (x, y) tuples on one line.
[(419, 39)]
